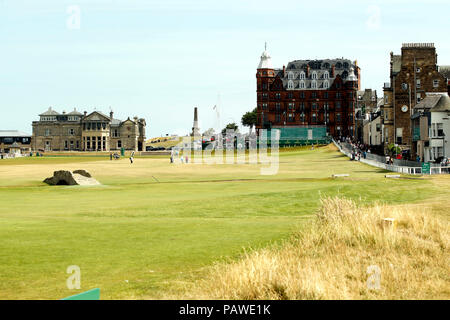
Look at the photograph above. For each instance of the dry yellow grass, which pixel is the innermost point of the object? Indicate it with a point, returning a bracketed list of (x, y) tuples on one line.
[(330, 259)]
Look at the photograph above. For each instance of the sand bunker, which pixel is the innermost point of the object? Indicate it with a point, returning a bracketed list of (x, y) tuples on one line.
[(69, 178)]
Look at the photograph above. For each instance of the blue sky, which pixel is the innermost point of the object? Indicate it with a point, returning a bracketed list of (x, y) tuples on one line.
[(159, 59)]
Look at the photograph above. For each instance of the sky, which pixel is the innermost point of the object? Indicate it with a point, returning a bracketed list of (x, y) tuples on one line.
[(160, 59)]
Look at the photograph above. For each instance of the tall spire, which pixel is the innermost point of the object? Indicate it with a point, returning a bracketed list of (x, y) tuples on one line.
[(266, 60), (195, 129)]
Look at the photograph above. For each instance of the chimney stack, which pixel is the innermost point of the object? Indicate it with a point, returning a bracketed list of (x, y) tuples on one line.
[(284, 70), (85, 113), (333, 71), (307, 70), (111, 114)]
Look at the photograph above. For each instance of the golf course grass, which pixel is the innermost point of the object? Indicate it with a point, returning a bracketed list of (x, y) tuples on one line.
[(152, 226)]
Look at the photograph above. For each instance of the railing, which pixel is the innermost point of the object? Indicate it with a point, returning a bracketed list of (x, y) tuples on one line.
[(400, 166)]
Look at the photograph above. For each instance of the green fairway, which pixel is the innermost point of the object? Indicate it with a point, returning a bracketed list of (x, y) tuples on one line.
[(152, 226)]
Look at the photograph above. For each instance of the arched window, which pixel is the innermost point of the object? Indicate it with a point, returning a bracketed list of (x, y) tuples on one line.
[(302, 84), (326, 75), (326, 65), (326, 84), (302, 75), (345, 65), (344, 75), (314, 75), (338, 65), (290, 75), (290, 84), (314, 84)]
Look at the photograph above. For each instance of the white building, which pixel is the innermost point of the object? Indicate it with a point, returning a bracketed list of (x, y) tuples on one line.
[(431, 127)]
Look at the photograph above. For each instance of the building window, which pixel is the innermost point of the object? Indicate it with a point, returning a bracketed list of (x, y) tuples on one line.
[(302, 75), (290, 85), (47, 132), (278, 96), (386, 99), (278, 106), (66, 144), (291, 106), (326, 75), (418, 83), (290, 75), (302, 84), (314, 84), (314, 117), (290, 117), (314, 75), (71, 132), (404, 86), (264, 106), (302, 95), (435, 83), (418, 97), (338, 104), (399, 135), (119, 144), (325, 95), (277, 117), (314, 95), (314, 106), (338, 117), (290, 95), (326, 84)]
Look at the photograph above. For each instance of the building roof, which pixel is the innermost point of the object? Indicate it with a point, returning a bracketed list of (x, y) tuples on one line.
[(75, 113), (50, 112), (15, 145), (343, 68), (13, 134), (434, 103)]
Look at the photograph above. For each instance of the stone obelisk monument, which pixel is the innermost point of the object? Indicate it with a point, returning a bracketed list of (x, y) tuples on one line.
[(195, 129)]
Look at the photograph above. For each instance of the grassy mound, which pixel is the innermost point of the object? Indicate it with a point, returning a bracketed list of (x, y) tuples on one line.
[(335, 256)]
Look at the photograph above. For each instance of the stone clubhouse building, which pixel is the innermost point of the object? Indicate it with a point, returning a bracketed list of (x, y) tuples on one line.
[(75, 131)]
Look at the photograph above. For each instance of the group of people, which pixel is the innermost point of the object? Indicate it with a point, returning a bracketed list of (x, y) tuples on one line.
[(175, 153), (358, 149)]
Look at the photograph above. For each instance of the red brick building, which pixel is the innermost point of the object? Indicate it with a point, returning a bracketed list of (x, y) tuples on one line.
[(308, 93)]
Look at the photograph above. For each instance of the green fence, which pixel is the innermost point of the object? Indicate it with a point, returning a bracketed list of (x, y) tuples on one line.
[(300, 136)]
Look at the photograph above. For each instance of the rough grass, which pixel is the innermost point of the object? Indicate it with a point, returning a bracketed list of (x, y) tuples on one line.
[(330, 258)]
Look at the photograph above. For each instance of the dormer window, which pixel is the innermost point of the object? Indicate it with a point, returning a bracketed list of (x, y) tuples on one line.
[(302, 75), (326, 84), (314, 75), (345, 65), (290, 75), (290, 85), (302, 84), (326, 75), (314, 84)]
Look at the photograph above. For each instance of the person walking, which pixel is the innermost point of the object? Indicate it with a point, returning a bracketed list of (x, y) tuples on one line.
[(110, 156)]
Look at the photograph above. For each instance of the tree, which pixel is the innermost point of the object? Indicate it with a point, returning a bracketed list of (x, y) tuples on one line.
[(249, 119), (209, 133), (394, 150), (230, 126)]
